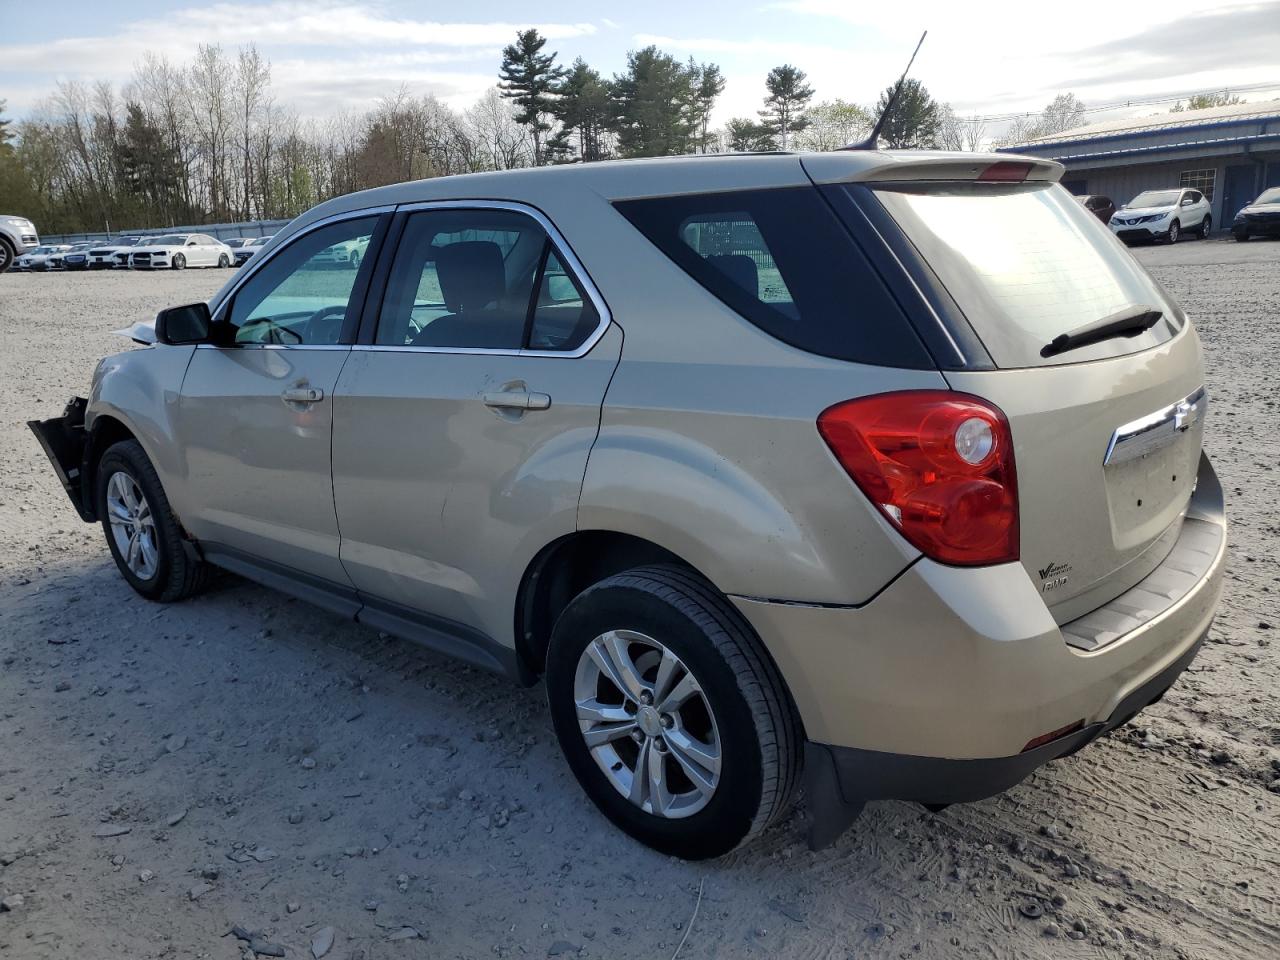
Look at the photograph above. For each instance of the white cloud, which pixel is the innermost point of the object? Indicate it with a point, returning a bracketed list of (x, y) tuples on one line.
[(276, 27)]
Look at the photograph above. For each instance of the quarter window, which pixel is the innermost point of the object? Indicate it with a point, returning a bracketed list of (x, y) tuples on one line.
[(303, 295), (782, 260), (1202, 180)]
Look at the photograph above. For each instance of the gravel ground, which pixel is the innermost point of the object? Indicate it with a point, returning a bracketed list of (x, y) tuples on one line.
[(169, 773)]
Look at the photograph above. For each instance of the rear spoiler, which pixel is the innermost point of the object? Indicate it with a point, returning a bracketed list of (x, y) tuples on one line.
[(887, 166)]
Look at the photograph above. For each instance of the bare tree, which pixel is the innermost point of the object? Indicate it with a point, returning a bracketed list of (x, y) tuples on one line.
[(492, 138), (211, 80), (253, 78)]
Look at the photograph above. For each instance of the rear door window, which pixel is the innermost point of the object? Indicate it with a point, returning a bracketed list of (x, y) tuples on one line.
[(482, 279), (781, 259), (1025, 263)]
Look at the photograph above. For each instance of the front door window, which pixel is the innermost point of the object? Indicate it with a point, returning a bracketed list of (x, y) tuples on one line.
[(302, 297)]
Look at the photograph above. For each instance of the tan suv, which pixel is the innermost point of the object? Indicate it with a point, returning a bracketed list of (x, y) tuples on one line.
[(883, 467)]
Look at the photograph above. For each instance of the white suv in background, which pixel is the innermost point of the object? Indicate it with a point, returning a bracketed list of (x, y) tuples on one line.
[(178, 251), (1163, 215), (17, 236)]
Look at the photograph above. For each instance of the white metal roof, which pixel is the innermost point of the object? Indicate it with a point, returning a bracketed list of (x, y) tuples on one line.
[(1259, 110)]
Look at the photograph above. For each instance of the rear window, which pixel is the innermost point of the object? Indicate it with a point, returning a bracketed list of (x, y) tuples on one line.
[(1025, 263), (782, 260)]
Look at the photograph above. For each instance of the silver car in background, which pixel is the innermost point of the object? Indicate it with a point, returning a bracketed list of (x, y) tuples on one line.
[(17, 236), (879, 472)]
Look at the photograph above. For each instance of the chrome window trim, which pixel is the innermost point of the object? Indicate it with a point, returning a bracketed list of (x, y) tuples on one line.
[(1158, 429), (309, 228), (563, 251), (276, 346)]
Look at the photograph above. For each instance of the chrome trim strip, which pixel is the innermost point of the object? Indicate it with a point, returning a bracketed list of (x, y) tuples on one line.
[(262, 258), (274, 346), (1139, 437)]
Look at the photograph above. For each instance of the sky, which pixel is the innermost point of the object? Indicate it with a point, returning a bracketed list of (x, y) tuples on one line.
[(992, 58)]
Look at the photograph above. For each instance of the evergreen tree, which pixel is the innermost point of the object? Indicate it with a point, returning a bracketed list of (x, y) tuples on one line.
[(5, 133), (788, 97), (912, 124), (746, 135), (529, 79), (655, 107), (708, 84), (582, 107)]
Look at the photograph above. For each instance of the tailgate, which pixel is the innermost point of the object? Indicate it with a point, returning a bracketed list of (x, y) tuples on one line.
[(1106, 463), (1096, 368)]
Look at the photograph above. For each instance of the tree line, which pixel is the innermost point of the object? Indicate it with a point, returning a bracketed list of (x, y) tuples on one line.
[(207, 141)]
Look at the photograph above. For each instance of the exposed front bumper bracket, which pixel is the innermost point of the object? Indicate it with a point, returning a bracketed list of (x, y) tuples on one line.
[(63, 440)]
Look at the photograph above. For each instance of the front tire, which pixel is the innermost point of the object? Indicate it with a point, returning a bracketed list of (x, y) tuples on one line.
[(142, 533), (223, 261), (670, 714), (1175, 231), (354, 260), (1241, 237), (6, 255), (179, 261)]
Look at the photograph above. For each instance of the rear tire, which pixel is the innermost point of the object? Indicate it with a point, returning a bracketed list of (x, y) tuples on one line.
[(747, 731), (132, 506), (1206, 225)]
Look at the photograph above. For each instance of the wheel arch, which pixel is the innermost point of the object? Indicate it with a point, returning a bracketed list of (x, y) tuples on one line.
[(106, 431), (563, 569)]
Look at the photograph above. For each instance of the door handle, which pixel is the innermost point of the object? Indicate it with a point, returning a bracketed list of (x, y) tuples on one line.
[(302, 395), (517, 400)]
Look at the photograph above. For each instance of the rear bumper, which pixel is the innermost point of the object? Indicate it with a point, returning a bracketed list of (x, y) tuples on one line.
[(932, 690)]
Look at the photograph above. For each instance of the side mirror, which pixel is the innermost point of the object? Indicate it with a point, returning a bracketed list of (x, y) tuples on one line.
[(184, 325)]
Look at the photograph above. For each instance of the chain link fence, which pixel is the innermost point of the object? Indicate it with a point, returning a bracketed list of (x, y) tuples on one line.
[(221, 231)]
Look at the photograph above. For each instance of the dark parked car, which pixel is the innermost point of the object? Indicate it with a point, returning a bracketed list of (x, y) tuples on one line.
[(245, 251), (1100, 207), (1260, 218)]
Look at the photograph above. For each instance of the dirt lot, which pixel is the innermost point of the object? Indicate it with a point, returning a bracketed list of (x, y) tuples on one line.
[(167, 773)]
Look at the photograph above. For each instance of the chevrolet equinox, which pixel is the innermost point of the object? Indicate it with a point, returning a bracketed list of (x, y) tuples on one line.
[(875, 471)]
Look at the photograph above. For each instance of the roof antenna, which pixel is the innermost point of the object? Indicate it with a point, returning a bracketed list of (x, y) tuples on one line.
[(870, 142)]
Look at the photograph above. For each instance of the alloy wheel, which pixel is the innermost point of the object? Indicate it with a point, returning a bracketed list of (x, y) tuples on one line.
[(133, 527), (647, 724)]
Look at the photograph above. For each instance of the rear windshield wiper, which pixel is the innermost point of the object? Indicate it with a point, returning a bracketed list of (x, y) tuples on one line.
[(1128, 322)]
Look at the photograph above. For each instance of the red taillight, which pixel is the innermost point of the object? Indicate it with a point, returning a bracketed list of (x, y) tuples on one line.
[(1006, 170), (938, 464)]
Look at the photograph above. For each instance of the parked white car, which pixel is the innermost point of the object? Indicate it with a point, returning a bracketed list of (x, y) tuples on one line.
[(177, 251), (113, 253), (35, 260), (1163, 215), (349, 252)]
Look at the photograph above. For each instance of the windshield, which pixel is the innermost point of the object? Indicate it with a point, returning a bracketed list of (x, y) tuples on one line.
[(125, 241), (1025, 264), (1156, 198), (1269, 196), (258, 241), (169, 240)]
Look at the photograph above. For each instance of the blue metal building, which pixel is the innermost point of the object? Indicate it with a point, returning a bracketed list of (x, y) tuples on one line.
[(1230, 153)]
